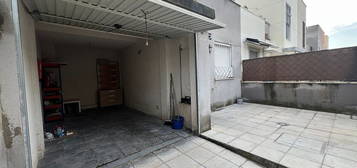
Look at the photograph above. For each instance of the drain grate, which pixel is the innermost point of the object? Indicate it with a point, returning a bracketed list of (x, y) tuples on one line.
[(282, 124)]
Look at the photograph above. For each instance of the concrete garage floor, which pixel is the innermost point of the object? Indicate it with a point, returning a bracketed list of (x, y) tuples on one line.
[(125, 138), (287, 136), (104, 136)]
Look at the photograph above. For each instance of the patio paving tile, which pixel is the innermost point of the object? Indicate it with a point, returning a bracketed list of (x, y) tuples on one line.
[(292, 161), (308, 155), (334, 161), (243, 144), (250, 164), (183, 161), (212, 147), (167, 154), (219, 162), (252, 138), (268, 153), (274, 145), (233, 157), (342, 153), (150, 161), (310, 144), (201, 155)]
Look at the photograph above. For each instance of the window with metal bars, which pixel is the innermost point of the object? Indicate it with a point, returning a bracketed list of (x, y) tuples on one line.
[(223, 61), (288, 22)]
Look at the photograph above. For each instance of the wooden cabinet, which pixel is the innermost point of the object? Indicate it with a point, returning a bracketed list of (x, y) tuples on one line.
[(108, 75), (110, 98)]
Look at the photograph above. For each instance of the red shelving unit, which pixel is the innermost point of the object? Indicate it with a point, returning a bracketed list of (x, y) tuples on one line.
[(54, 106), (52, 97), (51, 91)]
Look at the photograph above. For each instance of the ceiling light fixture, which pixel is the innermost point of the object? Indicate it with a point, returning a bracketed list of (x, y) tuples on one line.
[(118, 26), (146, 28)]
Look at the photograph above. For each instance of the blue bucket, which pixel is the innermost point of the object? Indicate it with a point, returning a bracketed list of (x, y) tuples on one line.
[(177, 122)]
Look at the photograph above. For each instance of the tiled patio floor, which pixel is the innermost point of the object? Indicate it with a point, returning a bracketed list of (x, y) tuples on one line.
[(192, 152), (292, 137)]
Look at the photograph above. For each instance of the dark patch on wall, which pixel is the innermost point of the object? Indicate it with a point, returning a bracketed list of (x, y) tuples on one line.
[(218, 105), (347, 111), (1, 107), (194, 6), (325, 103), (7, 134), (333, 92), (270, 93), (6, 126), (205, 123), (17, 131)]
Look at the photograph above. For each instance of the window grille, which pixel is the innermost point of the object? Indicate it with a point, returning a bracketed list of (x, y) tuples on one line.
[(223, 61)]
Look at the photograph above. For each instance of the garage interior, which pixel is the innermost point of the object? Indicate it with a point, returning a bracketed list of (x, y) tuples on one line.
[(110, 73), (116, 118), (105, 94)]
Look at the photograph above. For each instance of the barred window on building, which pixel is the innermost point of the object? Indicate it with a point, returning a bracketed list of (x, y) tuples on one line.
[(223, 61), (288, 22), (267, 31)]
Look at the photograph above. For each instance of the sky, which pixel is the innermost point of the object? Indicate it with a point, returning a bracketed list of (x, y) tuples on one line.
[(338, 18)]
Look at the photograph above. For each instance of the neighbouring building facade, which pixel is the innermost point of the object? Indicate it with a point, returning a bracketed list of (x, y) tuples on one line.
[(271, 28), (316, 39)]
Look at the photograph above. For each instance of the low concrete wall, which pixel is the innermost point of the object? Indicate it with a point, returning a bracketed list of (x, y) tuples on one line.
[(332, 96)]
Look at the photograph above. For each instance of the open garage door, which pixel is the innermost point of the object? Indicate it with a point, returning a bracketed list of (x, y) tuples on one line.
[(164, 19)]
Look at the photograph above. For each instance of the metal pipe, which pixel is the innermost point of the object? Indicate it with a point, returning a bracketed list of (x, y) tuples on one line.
[(197, 103)]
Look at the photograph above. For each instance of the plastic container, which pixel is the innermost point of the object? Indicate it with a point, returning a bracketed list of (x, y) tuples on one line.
[(177, 122)]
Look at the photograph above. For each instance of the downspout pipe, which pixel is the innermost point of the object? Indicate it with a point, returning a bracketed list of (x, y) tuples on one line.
[(196, 76)]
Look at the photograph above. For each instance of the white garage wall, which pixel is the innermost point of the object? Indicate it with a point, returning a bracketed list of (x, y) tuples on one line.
[(32, 85), (146, 77), (79, 76), (141, 77), (12, 145), (173, 61)]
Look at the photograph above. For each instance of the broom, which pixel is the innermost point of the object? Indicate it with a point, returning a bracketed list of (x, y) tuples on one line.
[(173, 105)]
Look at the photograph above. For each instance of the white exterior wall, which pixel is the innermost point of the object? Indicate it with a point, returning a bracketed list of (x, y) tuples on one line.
[(298, 17), (252, 26), (301, 19), (212, 93), (275, 13)]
